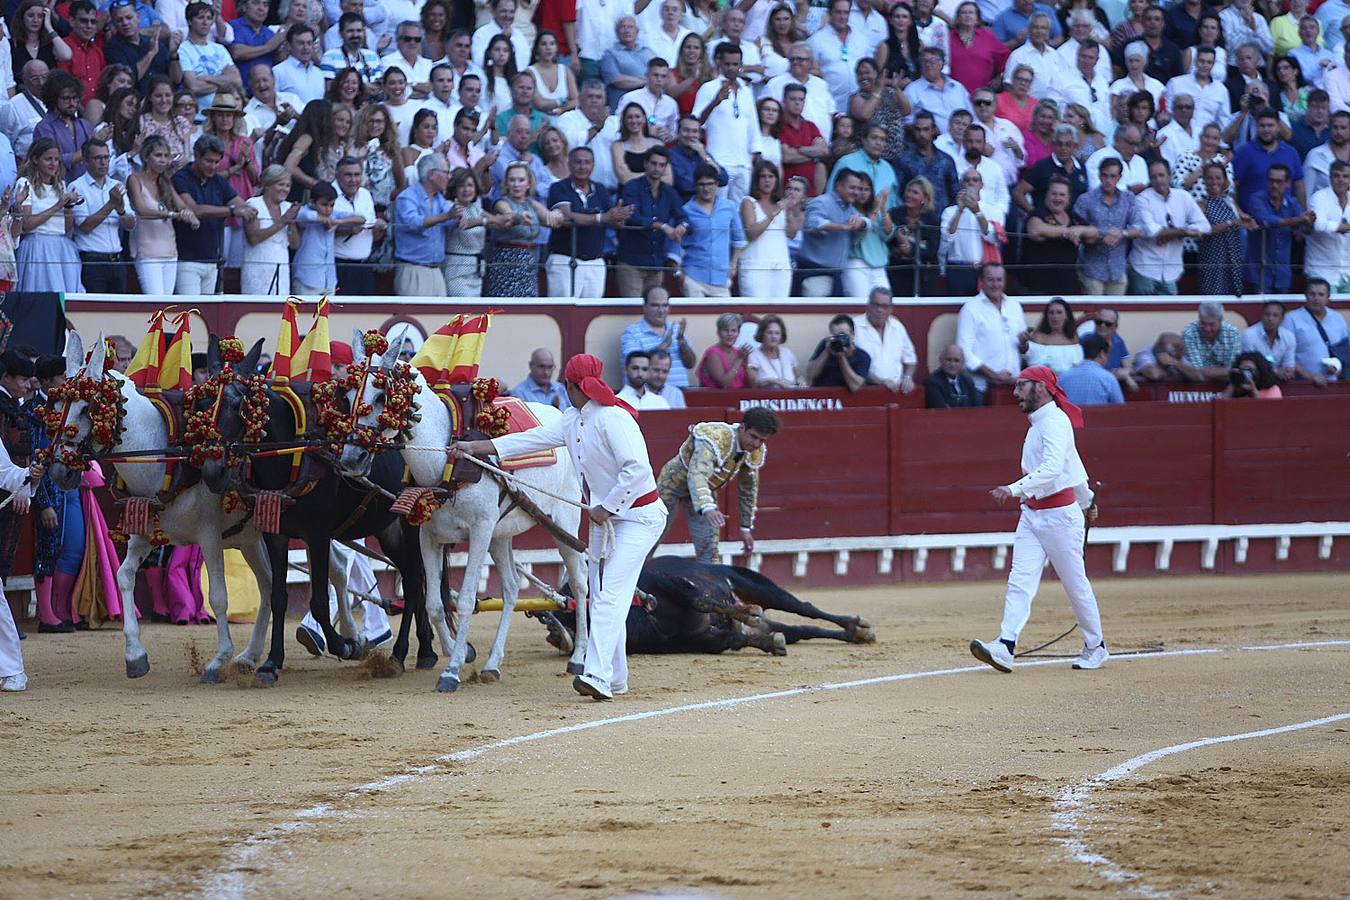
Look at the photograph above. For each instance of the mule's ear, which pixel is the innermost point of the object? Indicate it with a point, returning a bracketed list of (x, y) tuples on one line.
[(396, 340), (358, 345), (249, 364), (213, 364), (74, 354), (98, 359)]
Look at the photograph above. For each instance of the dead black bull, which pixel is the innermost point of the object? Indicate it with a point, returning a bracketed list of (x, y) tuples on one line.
[(700, 608)]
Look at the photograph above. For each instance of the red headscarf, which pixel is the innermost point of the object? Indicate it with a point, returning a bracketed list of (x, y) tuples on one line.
[(1047, 377), (340, 352), (584, 370)]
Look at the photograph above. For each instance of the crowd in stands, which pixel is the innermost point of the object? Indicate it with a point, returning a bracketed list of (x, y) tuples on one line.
[(759, 148), (993, 344)]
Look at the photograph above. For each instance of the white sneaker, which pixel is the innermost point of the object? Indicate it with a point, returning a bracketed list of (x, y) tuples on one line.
[(1092, 659), (994, 654), (590, 686), (14, 683), (619, 689)]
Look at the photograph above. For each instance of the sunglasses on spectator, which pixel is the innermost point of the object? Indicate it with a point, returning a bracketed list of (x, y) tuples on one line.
[(985, 102), (1102, 323), (411, 39)]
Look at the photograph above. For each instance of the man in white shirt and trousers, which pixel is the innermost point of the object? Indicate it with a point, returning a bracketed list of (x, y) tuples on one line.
[(1056, 508), (607, 447), (17, 481)]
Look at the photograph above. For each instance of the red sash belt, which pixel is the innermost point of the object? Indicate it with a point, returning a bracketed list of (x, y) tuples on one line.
[(646, 499), (1054, 501)]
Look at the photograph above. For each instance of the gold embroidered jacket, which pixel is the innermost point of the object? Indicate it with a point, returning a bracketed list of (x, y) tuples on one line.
[(708, 459)]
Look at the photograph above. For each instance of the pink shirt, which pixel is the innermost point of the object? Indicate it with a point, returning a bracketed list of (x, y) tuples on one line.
[(728, 358), (976, 65)]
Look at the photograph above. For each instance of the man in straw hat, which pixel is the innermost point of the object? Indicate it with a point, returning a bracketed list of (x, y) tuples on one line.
[(1056, 508), (602, 434)]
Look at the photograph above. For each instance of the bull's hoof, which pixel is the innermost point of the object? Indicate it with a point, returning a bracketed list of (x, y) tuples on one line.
[(560, 637), (265, 677), (426, 660), (779, 644), (861, 632), (447, 684), (138, 667), (489, 676), (575, 668), (211, 675)]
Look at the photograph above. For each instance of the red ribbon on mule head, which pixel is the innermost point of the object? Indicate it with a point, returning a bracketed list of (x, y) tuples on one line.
[(584, 370), (1047, 377)]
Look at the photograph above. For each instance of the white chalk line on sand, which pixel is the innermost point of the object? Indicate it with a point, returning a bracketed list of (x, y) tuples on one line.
[(1071, 801), (229, 881)]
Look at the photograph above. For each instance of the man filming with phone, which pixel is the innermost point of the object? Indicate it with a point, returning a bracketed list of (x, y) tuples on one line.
[(837, 360)]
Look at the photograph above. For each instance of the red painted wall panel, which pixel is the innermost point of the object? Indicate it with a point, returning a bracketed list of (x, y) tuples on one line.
[(1282, 461)]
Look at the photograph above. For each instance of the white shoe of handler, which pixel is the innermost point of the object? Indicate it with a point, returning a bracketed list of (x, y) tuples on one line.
[(1092, 659), (994, 654)]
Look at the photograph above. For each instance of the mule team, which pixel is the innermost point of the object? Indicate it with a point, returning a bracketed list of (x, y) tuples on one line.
[(340, 489)]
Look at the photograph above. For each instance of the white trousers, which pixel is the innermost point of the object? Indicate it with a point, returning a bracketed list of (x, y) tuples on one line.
[(1057, 535), (590, 277), (157, 276), (738, 184), (374, 621), (611, 585), (774, 284), (860, 278), (196, 278), (11, 655)]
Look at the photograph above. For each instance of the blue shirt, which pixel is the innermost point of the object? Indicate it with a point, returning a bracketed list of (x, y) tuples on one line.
[(1098, 260), (827, 249), (202, 244), (413, 242), (683, 163), (640, 244), (880, 171), (1118, 350), (1309, 347), (247, 35), (1271, 244), (590, 239), (315, 263), (1010, 21), (1251, 162), (939, 169), (1088, 384), (707, 246), (640, 336), (531, 392)]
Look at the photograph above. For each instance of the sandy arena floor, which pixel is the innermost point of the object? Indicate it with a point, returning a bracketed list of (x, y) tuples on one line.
[(941, 784)]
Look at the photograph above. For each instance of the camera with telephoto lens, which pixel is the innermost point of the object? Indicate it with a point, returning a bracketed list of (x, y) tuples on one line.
[(1240, 377), (840, 342)]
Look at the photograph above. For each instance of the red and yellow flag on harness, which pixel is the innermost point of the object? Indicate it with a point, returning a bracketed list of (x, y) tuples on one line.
[(144, 368), (288, 343), (175, 371), (313, 361), (452, 355)]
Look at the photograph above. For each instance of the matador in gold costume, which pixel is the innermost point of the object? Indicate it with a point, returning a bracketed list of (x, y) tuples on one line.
[(713, 454)]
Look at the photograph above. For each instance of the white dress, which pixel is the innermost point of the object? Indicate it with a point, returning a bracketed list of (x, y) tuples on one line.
[(781, 368), (1059, 358), (559, 93), (765, 268), (267, 266)]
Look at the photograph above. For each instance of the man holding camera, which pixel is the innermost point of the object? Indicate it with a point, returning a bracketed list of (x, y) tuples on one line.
[(837, 360)]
